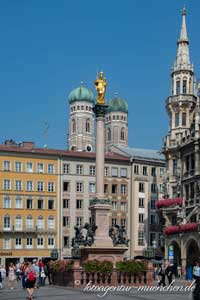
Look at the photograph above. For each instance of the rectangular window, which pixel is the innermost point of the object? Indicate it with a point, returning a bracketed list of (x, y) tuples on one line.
[(153, 204), (152, 238), (66, 221), (6, 184), (123, 172), (136, 169), (153, 171), (50, 204), (79, 221), (40, 186), (141, 202), (184, 86), (144, 170), (40, 168), (114, 172), (50, 242), (183, 119), (6, 243), (66, 203), (161, 172), (123, 222), (114, 205), (6, 202), (40, 204), (65, 186), (66, 243), (51, 223), (123, 189), (18, 166), (106, 171), (18, 202), (176, 119), (6, 165), (40, 223), (50, 168), (153, 188), (141, 187), (18, 243), (123, 206), (105, 188), (29, 167), (174, 166), (79, 204), (29, 203), (29, 223), (66, 168), (178, 87), (6, 223), (152, 219), (92, 171), (140, 238), (40, 242), (29, 185), (29, 243), (51, 187), (162, 188), (18, 185), (114, 222), (18, 223), (79, 170), (114, 188), (79, 187), (141, 218), (92, 187)]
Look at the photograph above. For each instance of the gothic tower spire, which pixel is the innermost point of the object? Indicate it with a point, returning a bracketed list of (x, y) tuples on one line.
[(183, 56)]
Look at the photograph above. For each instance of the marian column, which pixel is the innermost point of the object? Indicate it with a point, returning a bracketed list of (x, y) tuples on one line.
[(100, 207)]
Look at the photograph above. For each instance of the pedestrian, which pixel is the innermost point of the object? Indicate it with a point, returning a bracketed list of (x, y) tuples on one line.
[(43, 276), (23, 270), (37, 271), (2, 275), (18, 271), (161, 274), (48, 272), (169, 272), (11, 276), (30, 280), (41, 265), (196, 271), (179, 272)]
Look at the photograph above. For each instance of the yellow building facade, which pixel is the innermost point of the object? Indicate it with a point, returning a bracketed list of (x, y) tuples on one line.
[(29, 205)]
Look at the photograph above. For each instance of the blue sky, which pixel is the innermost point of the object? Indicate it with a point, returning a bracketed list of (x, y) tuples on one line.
[(48, 47)]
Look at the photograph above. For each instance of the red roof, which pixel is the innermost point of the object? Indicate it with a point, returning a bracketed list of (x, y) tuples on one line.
[(58, 152)]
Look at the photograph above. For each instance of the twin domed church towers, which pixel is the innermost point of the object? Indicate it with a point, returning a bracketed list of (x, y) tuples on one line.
[(81, 132)]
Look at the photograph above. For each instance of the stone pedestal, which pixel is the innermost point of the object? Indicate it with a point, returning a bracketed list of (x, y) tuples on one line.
[(113, 254), (100, 210)]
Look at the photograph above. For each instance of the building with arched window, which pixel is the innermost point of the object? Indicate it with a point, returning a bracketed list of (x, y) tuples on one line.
[(180, 210)]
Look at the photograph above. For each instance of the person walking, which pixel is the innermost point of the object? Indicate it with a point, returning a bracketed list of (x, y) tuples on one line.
[(2, 275), (161, 274), (11, 276), (18, 271), (169, 272), (37, 271), (196, 271), (23, 270), (30, 274)]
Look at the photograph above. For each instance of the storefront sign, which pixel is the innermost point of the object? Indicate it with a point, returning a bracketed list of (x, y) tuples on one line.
[(5, 253)]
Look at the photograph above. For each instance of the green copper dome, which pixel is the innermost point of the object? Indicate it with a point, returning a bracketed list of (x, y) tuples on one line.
[(118, 104), (81, 94)]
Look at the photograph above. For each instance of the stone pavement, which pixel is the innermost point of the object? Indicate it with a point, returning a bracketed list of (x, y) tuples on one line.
[(62, 293)]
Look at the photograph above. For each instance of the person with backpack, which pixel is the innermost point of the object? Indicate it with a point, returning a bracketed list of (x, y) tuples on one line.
[(30, 274)]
